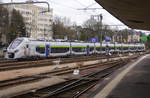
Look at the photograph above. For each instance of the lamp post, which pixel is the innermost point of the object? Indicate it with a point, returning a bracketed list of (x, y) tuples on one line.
[(100, 18)]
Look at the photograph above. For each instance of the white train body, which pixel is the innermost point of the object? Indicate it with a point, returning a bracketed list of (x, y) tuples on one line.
[(27, 47)]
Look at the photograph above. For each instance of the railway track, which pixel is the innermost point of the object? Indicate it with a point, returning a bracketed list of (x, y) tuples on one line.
[(58, 72), (8, 62), (5, 62), (2, 61), (24, 79), (46, 62), (73, 88)]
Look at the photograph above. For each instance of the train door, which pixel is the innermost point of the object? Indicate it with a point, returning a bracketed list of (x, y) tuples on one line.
[(70, 48), (107, 50), (88, 49), (26, 50), (47, 50)]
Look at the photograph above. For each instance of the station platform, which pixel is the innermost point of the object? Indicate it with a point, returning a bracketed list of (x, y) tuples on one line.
[(131, 82)]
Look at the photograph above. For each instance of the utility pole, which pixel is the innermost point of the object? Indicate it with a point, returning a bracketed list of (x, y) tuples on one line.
[(100, 18)]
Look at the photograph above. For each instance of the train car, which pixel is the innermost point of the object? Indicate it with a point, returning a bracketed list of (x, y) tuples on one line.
[(79, 48), (27, 47), (117, 47), (111, 48), (100, 48), (125, 48), (17, 48), (141, 47), (35, 48), (53, 49)]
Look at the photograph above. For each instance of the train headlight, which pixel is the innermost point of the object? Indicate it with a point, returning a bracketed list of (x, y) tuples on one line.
[(16, 51)]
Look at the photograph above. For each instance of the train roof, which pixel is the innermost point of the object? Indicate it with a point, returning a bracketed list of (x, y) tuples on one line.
[(75, 41)]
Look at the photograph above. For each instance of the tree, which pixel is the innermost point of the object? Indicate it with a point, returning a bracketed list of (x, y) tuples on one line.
[(4, 23), (94, 28), (17, 26), (9, 30), (89, 30), (92, 24), (62, 28)]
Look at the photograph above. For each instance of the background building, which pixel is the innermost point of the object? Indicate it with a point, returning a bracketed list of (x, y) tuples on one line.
[(38, 23), (135, 37)]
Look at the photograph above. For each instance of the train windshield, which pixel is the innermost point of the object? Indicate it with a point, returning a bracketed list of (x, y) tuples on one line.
[(15, 43)]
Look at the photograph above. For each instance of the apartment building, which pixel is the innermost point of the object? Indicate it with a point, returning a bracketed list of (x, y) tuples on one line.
[(134, 37), (38, 23)]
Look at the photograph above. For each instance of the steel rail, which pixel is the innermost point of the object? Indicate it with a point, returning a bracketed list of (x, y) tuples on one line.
[(47, 74), (22, 65), (85, 78), (72, 85)]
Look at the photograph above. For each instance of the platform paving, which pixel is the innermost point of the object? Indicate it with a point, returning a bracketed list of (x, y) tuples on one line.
[(132, 82)]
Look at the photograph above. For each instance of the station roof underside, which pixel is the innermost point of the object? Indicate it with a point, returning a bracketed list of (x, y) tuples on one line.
[(133, 13)]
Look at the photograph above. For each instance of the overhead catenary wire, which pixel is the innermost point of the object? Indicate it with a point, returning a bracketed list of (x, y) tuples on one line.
[(90, 5), (63, 5), (77, 11), (87, 8), (79, 3), (67, 6)]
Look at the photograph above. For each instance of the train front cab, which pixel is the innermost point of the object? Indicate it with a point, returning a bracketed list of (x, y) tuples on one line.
[(16, 49)]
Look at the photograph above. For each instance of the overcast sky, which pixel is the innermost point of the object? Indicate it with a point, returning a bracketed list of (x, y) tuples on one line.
[(69, 8)]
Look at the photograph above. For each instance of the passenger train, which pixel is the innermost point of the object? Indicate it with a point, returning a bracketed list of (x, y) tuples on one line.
[(27, 47)]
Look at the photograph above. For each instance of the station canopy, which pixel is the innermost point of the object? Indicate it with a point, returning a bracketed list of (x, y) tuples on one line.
[(133, 13)]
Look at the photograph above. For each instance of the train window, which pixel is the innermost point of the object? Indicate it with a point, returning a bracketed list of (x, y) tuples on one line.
[(40, 50), (103, 49), (27, 46), (132, 48), (99, 49), (78, 49), (107, 48), (91, 48), (125, 48), (15, 43), (140, 48), (59, 50)]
